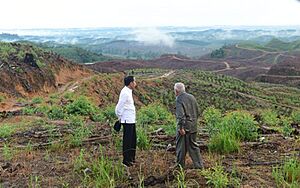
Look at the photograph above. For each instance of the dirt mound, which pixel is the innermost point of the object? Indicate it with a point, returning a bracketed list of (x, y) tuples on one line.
[(26, 70)]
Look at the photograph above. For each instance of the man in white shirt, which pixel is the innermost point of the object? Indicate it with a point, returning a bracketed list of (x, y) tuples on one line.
[(125, 110)]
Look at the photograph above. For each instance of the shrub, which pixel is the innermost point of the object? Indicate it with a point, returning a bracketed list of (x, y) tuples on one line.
[(170, 129), (81, 106), (241, 125), (269, 117), (154, 114), (216, 177), (212, 118)]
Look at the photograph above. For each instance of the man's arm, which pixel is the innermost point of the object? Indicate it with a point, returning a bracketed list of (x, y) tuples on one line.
[(120, 106), (180, 115)]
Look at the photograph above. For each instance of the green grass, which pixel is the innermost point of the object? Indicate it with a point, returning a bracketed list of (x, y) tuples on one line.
[(227, 132), (6, 130), (143, 141), (223, 142), (103, 172), (288, 174)]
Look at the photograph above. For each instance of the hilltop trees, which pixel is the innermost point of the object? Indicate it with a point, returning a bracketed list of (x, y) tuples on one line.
[(218, 53)]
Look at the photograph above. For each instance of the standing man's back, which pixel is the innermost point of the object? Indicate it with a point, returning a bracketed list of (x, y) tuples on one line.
[(186, 117), (190, 107)]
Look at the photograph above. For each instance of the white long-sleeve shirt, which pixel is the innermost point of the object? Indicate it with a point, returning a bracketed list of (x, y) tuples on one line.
[(125, 109)]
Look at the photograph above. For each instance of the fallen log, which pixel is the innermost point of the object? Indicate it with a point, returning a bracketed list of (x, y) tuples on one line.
[(267, 130)]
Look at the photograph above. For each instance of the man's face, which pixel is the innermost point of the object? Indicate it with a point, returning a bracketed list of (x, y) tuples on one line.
[(133, 84), (176, 92)]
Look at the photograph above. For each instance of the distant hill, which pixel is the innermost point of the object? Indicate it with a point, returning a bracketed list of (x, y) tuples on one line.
[(283, 46), (274, 45), (26, 70), (75, 53)]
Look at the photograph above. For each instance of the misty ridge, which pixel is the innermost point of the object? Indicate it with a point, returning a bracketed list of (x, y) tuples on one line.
[(147, 43)]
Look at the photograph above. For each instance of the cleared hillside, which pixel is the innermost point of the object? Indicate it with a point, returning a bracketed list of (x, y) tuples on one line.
[(27, 70)]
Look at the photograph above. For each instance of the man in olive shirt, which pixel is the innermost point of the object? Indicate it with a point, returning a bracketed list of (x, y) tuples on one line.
[(186, 116)]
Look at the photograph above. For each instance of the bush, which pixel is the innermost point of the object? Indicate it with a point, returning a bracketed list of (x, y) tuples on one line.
[(213, 119), (81, 106), (216, 177), (241, 125), (154, 114), (269, 117)]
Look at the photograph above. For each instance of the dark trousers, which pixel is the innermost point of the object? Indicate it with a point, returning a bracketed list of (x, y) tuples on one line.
[(129, 143), (187, 143)]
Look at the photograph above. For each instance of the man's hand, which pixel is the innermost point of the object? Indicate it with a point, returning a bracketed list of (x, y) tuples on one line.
[(182, 131)]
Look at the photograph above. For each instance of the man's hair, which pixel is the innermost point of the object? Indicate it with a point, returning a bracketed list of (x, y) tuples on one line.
[(128, 80), (179, 87)]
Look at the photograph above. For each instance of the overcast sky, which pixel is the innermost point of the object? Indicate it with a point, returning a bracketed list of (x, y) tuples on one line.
[(20, 14)]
